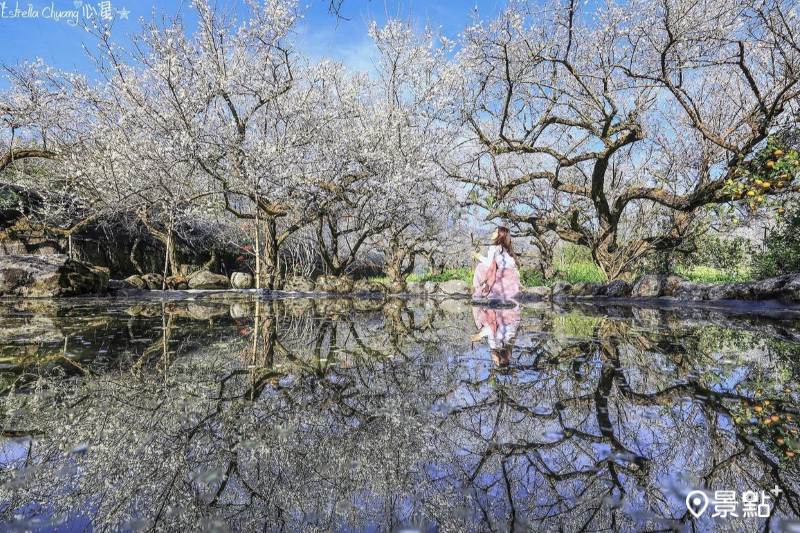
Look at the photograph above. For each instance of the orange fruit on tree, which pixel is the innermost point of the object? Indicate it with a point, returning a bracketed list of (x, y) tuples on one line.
[(780, 184), (779, 440), (789, 453), (759, 183), (751, 193), (770, 164), (758, 408), (778, 153), (775, 418), (766, 184), (781, 211)]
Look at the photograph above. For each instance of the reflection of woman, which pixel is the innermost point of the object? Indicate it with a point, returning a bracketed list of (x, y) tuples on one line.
[(499, 327), (496, 275)]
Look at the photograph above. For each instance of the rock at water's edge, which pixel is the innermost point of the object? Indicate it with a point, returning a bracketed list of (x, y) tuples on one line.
[(588, 289), (203, 279), (177, 283), (618, 289), (654, 286), (135, 282), (365, 286), (47, 276), (542, 292), (334, 284), (455, 286), (690, 290), (298, 284), (242, 280), (561, 289), (154, 282)]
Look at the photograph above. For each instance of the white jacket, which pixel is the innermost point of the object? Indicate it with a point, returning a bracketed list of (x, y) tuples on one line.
[(503, 258)]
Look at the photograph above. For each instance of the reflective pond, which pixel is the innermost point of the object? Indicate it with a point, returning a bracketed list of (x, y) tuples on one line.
[(394, 415)]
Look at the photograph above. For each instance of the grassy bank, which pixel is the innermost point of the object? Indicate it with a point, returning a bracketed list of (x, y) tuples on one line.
[(575, 273), (580, 272)]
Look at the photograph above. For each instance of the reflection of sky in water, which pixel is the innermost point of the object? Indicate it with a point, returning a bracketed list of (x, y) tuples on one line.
[(319, 415)]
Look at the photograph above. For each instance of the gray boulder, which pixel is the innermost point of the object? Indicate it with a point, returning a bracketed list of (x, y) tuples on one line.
[(618, 289), (135, 282), (541, 293), (430, 287), (334, 284), (47, 276), (177, 283), (413, 287), (561, 289), (732, 291), (778, 288), (395, 287), (298, 284), (242, 280), (364, 286), (791, 291), (455, 286), (240, 310), (332, 307), (653, 286), (455, 306), (588, 289), (154, 282), (203, 279), (203, 311), (690, 290)]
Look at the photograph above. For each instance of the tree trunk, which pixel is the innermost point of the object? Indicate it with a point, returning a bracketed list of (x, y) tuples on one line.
[(271, 246), (168, 256), (258, 250), (614, 259), (132, 256)]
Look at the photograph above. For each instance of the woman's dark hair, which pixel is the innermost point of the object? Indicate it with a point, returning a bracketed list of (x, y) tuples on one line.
[(504, 240), (502, 356)]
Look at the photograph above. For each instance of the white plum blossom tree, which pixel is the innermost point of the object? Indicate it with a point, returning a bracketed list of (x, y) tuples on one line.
[(621, 123)]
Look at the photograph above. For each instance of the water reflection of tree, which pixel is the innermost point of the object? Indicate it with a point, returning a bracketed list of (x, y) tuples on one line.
[(351, 419)]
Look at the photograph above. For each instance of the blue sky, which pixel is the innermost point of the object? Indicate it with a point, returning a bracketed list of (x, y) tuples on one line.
[(28, 28)]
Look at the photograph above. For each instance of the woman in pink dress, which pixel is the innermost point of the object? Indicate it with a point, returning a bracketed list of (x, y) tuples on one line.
[(497, 274)]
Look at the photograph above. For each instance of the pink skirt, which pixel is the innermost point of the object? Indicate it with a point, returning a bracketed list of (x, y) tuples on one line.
[(498, 320), (506, 285)]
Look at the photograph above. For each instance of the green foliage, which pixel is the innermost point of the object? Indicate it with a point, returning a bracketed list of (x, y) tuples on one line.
[(705, 258), (577, 266), (575, 253), (717, 253), (707, 274), (531, 277), (575, 326), (770, 177), (463, 274), (781, 252), (581, 272)]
